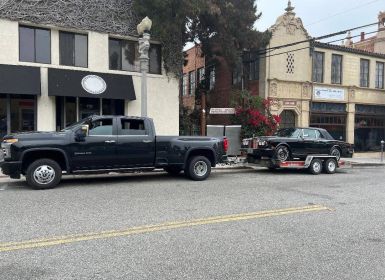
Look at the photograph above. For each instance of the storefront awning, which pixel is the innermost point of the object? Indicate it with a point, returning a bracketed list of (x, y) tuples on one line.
[(90, 84), (16, 79)]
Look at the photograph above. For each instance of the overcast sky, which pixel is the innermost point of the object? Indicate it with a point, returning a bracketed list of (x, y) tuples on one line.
[(321, 17)]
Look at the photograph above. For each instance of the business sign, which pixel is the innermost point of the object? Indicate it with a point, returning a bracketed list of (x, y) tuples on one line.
[(222, 111), (94, 84), (329, 93), (289, 103)]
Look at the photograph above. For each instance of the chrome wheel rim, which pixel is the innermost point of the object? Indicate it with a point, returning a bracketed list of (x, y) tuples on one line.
[(336, 153), (200, 168), (317, 167), (282, 154), (331, 166), (44, 174)]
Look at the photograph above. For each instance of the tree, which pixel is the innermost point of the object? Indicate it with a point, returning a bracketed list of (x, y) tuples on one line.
[(223, 27), (253, 113)]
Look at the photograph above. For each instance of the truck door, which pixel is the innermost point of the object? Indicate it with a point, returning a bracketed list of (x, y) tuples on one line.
[(98, 150), (136, 143)]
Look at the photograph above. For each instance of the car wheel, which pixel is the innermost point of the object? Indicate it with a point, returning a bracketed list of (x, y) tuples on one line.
[(43, 174), (198, 168), (282, 153), (330, 166), (336, 153), (315, 166), (173, 170)]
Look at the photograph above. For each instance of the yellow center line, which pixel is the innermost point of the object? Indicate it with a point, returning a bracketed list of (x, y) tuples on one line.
[(59, 240)]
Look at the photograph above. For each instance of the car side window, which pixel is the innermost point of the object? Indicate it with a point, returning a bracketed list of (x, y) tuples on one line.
[(319, 135), (132, 127), (101, 127), (309, 134)]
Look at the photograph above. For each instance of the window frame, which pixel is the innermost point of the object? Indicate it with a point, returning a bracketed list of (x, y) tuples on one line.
[(34, 28), (314, 73), (74, 48), (333, 70), (377, 81), (362, 60), (192, 82)]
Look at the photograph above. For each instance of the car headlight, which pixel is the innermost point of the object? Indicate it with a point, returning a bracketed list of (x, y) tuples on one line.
[(262, 143)]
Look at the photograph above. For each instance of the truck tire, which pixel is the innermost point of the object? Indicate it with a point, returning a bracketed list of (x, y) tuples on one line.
[(173, 170), (198, 168), (315, 167), (330, 166), (43, 174)]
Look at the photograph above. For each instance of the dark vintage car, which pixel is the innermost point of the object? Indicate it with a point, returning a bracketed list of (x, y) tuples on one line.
[(295, 143)]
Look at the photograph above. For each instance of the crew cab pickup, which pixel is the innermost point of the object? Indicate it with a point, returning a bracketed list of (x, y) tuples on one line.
[(103, 144)]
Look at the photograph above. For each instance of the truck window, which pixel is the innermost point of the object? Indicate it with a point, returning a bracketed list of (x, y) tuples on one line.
[(133, 127), (101, 127)]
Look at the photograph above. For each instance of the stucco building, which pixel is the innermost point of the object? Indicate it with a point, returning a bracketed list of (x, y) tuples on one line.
[(69, 62), (323, 85)]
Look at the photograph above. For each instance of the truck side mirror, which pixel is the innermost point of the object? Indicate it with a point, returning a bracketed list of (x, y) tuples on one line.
[(82, 132)]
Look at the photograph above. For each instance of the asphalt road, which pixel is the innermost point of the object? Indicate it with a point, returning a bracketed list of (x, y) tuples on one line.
[(239, 224)]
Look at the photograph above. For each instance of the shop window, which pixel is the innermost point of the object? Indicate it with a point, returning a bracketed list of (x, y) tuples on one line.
[(380, 75), (192, 82), (3, 116), (318, 67), (335, 124), (364, 73), (73, 49), (369, 131), (101, 127), (88, 107), (290, 63), (113, 107), (336, 69), (155, 59), (23, 110), (34, 44)]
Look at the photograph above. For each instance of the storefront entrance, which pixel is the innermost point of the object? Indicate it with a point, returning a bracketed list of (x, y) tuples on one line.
[(369, 128), (330, 116), (19, 86)]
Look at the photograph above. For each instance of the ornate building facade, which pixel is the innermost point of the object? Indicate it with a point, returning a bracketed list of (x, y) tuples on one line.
[(322, 85)]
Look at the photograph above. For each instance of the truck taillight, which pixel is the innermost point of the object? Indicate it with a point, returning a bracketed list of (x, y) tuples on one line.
[(225, 144)]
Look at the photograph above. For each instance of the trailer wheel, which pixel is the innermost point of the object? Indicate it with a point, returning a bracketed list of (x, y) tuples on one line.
[(315, 167), (330, 166)]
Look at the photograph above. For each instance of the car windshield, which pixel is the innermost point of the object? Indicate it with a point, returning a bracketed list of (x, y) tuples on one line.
[(288, 132), (77, 124)]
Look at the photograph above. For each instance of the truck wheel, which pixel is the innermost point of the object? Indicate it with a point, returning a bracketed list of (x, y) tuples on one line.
[(43, 174), (198, 168), (173, 170), (330, 166), (315, 166)]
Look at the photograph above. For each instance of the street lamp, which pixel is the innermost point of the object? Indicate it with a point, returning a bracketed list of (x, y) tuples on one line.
[(144, 28)]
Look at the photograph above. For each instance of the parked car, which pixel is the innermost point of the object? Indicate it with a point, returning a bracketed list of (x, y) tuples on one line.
[(295, 143), (100, 144)]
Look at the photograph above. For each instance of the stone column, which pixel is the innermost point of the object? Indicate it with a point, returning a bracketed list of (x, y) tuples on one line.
[(350, 122), (46, 106)]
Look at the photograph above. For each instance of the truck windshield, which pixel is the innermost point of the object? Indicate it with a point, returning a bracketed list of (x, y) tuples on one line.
[(74, 125), (288, 132)]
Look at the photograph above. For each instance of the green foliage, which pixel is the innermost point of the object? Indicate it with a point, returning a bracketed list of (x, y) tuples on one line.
[(223, 27), (253, 113)]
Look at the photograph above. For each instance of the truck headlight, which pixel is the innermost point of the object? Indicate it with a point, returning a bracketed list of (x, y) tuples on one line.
[(6, 147)]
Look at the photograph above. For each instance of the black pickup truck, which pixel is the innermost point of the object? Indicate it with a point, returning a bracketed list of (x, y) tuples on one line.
[(102, 144)]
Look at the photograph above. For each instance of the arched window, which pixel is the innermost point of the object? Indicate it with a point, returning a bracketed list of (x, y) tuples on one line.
[(287, 119)]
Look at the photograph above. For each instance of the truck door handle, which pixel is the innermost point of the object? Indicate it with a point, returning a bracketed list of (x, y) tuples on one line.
[(147, 141), (109, 141)]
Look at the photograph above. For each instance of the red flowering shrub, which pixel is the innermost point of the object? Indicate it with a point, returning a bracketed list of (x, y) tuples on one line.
[(255, 116)]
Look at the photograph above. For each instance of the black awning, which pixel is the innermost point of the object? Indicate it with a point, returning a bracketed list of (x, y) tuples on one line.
[(16, 79), (90, 84)]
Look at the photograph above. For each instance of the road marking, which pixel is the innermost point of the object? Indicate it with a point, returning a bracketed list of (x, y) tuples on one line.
[(59, 240)]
